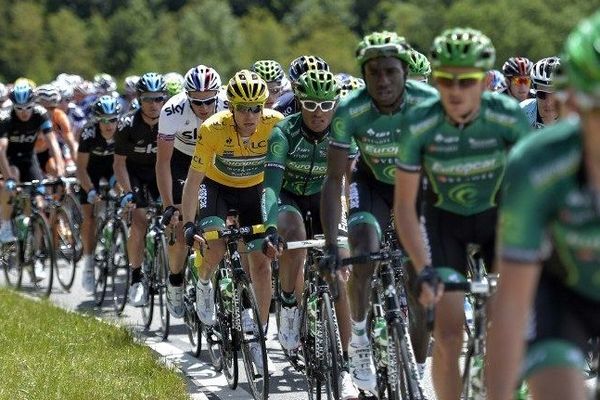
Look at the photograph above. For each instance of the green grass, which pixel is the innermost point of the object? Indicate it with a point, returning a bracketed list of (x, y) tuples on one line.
[(48, 353)]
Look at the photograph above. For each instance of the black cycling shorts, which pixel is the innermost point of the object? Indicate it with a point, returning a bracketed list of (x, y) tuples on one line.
[(216, 199), (143, 183), (367, 194), (96, 173), (449, 234), (180, 165), (29, 168), (305, 204), (43, 158)]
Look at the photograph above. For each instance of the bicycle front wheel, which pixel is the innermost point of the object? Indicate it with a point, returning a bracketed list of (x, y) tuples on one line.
[(11, 254), (149, 280), (38, 254), (65, 245), (119, 265), (254, 351), (331, 363), (162, 274), (407, 380), (101, 263)]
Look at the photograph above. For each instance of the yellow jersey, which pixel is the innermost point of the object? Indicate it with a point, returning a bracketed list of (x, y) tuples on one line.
[(227, 158)]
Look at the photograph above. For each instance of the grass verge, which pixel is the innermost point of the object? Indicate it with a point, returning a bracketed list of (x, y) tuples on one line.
[(49, 353)]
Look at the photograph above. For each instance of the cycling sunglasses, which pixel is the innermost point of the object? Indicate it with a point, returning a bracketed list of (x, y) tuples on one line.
[(26, 107), (108, 120), (542, 95), (243, 108), (466, 80), (311, 105), (202, 102), (521, 80), (155, 99)]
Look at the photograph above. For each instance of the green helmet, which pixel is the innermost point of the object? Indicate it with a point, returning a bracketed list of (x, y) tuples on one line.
[(418, 64), (382, 44), (582, 56), (269, 70), (463, 47), (173, 83), (317, 85)]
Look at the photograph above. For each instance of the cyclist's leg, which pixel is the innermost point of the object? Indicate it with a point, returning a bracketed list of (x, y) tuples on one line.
[(560, 324), (447, 249), (177, 252)]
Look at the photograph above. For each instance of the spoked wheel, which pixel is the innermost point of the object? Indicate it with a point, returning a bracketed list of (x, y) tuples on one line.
[(307, 349), (65, 244), (162, 274), (101, 265), (73, 208), (253, 345), (192, 322), (406, 365), (149, 281), (119, 267), (213, 334), (228, 339), (38, 254), (13, 272), (332, 349)]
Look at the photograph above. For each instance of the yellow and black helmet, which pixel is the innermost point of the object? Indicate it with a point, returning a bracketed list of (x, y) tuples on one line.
[(247, 87)]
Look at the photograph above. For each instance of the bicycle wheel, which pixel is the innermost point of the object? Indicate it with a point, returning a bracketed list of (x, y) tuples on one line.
[(101, 261), (38, 254), (258, 378), (65, 243), (162, 274), (119, 267), (11, 253), (331, 362), (149, 267), (71, 204), (227, 338), (406, 365), (212, 334), (192, 322)]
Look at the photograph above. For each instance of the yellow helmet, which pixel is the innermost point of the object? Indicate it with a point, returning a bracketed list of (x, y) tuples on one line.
[(25, 80), (247, 87)]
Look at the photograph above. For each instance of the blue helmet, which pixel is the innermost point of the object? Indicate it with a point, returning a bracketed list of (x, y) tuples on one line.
[(107, 105), (21, 93), (151, 82)]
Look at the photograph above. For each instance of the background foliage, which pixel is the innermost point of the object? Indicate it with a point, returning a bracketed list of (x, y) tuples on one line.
[(41, 38)]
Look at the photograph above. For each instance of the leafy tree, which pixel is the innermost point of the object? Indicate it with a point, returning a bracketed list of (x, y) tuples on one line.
[(263, 38)]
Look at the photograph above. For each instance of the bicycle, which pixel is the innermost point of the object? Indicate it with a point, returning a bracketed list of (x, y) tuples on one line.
[(156, 269), (235, 302), (479, 286), (397, 373), (111, 258), (320, 356), (33, 248)]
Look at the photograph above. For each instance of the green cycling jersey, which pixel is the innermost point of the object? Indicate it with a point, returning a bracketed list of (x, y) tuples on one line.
[(296, 161), (548, 214), (375, 134), (464, 164)]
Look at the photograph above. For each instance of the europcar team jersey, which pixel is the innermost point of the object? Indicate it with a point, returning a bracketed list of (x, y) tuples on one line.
[(136, 140), (179, 123), (548, 213), (101, 151), (464, 164), (229, 159), (375, 134), (22, 134)]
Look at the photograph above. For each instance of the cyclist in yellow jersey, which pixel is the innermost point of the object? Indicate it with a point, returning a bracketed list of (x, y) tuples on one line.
[(227, 172)]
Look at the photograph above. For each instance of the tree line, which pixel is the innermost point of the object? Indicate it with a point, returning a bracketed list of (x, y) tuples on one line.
[(42, 38)]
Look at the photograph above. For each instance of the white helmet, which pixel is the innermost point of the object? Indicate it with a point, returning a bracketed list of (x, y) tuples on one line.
[(47, 95), (541, 73), (131, 84), (202, 78)]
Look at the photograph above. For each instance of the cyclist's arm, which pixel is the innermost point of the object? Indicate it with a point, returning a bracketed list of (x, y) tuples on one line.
[(274, 168), (56, 153), (331, 206), (406, 188), (82, 174), (189, 198), (120, 170), (4, 165), (67, 135), (163, 169), (506, 332)]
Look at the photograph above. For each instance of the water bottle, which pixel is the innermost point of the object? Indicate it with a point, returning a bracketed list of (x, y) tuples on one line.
[(312, 314), (226, 288), (380, 336), (21, 223)]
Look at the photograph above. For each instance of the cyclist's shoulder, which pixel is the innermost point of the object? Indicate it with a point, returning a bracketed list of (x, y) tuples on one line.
[(271, 117), (290, 124), (175, 106), (354, 104), (555, 149), (500, 109), (425, 116), (417, 92)]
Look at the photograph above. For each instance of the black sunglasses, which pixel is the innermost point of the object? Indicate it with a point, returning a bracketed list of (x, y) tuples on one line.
[(156, 99), (201, 102), (542, 95)]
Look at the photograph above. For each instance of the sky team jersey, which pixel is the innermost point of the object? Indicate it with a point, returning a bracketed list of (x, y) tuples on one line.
[(548, 213), (375, 134), (136, 140), (228, 159), (303, 161), (179, 123), (92, 142), (22, 134), (465, 165)]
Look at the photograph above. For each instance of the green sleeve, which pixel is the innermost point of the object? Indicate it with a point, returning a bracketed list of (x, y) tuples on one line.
[(409, 148), (524, 211), (340, 136), (274, 169)]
